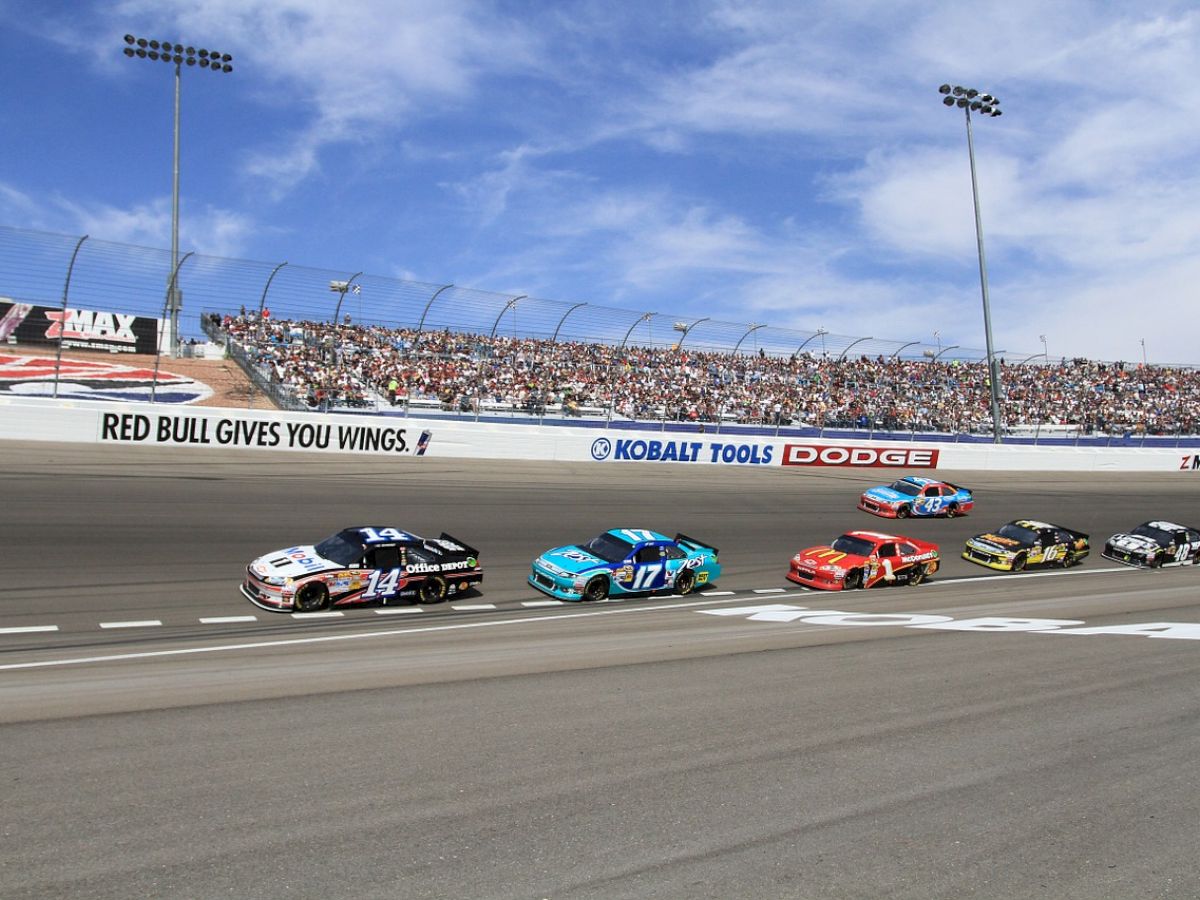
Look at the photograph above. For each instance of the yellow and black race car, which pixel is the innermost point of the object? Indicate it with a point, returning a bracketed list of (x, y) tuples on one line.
[(1025, 542)]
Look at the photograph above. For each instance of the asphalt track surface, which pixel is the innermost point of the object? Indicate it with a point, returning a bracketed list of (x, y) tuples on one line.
[(648, 748)]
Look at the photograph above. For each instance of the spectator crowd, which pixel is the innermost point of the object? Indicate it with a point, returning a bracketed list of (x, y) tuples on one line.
[(329, 364)]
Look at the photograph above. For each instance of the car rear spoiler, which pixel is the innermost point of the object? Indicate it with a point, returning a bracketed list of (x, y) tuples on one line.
[(471, 551), (698, 545), (958, 487), (1078, 535)]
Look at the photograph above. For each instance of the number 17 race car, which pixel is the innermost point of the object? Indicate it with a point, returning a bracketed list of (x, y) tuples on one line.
[(625, 561), (364, 564)]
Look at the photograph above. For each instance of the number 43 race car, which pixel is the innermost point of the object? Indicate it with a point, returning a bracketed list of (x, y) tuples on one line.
[(625, 561), (917, 496), (364, 564)]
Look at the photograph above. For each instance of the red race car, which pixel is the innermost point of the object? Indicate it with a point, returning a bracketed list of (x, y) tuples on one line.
[(864, 559)]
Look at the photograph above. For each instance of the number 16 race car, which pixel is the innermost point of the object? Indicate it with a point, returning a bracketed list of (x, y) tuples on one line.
[(863, 559), (364, 564), (1023, 543), (625, 561)]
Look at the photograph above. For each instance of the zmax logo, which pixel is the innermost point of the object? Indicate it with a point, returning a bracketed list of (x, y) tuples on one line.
[(1190, 462)]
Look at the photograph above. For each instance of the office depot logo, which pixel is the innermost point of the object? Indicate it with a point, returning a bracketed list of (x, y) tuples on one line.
[(862, 457)]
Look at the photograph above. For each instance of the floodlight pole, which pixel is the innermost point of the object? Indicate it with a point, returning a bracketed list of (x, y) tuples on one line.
[(968, 99), (175, 299)]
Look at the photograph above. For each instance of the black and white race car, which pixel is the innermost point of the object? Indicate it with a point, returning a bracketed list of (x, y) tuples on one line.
[(363, 564), (1155, 544)]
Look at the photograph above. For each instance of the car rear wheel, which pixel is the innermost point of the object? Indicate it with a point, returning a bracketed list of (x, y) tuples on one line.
[(312, 597), (854, 580), (432, 590), (951, 510), (685, 582), (903, 512), (596, 589), (917, 576)]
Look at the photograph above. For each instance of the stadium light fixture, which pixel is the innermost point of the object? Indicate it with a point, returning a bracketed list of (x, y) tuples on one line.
[(179, 55), (968, 100)]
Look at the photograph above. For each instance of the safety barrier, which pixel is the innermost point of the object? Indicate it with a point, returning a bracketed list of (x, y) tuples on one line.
[(412, 438)]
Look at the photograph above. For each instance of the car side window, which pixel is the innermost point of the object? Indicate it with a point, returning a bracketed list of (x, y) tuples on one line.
[(649, 554), (383, 557), (673, 552), (907, 549), (887, 550)]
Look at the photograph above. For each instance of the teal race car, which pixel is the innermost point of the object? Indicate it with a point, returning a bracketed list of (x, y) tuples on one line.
[(625, 561)]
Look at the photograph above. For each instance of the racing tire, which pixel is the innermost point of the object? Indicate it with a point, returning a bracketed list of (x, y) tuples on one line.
[(903, 512), (951, 510), (596, 589), (685, 582), (432, 590), (917, 576), (854, 580), (312, 597), (1018, 564)]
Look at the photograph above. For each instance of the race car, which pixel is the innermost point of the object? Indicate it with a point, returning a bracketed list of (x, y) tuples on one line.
[(915, 495), (864, 559), (1026, 542), (363, 564), (625, 561), (1155, 544)]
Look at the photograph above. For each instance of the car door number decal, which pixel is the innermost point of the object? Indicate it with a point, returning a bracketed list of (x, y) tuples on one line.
[(645, 577), (381, 584)]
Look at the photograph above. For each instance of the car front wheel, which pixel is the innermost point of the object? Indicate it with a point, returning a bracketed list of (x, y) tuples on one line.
[(903, 512), (596, 589), (311, 597), (854, 580)]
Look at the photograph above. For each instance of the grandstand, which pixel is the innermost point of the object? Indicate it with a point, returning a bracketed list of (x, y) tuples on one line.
[(316, 339)]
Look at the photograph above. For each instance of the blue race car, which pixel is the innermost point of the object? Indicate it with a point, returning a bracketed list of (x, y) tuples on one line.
[(625, 561), (914, 495)]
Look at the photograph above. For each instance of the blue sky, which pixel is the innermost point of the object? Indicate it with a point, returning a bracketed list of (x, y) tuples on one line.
[(780, 162)]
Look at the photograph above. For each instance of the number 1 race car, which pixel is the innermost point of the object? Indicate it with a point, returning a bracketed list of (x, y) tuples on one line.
[(914, 495), (625, 561), (364, 564), (864, 559), (1027, 543), (1155, 544)]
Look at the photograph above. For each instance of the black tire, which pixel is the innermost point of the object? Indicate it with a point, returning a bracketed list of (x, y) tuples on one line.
[(432, 589), (917, 576), (903, 512), (951, 510), (596, 589), (854, 580), (1019, 563), (685, 582), (312, 597)]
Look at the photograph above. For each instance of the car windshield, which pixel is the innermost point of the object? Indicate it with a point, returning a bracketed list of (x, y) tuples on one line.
[(906, 487), (1017, 533), (855, 546), (1157, 535), (341, 551), (607, 547)]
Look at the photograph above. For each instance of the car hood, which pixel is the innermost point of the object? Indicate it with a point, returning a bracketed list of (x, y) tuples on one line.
[(824, 555), (570, 560), (886, 494), (996, 542), (1135, 542), (292, 562)]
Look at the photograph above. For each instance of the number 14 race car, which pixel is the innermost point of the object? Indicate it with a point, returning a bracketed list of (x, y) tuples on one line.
[(625, 561), (365, 564)]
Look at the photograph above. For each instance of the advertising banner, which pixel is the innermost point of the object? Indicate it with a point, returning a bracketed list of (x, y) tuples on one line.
[(27, 323)]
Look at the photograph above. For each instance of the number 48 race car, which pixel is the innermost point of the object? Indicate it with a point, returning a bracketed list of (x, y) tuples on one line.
[(1155, 544), (625, 561), (364, 564)]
